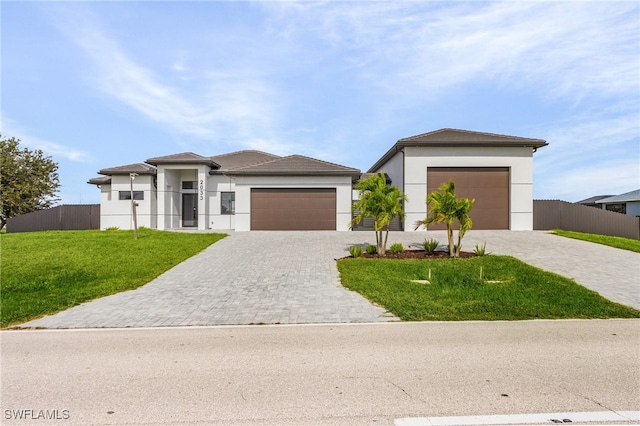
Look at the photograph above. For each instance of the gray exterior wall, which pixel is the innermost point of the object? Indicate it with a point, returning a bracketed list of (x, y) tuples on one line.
[(633, 208)]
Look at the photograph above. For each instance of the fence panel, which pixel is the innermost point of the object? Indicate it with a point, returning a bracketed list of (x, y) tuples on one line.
[(557, 214), (64, 217)]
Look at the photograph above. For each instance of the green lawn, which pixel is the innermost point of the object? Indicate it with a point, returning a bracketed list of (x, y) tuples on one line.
[(617, 242), (456, 292), (46, 272)]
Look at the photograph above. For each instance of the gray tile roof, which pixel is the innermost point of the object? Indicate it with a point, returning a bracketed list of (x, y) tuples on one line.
[(183, 158), (295, 165), (622, 198), (139, 168), (102, 180), (238, 159), (458, 138), (594, 199)]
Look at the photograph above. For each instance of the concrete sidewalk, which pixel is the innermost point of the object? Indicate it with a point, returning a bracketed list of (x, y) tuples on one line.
[(291, 277)]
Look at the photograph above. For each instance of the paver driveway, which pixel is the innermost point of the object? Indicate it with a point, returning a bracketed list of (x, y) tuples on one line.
[(291, 277), (246, 278)]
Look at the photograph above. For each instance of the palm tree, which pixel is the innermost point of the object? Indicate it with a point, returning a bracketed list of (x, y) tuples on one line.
[(381, 202), (444, 207)]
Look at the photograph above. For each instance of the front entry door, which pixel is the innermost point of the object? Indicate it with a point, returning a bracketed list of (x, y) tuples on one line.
[(189, 210)]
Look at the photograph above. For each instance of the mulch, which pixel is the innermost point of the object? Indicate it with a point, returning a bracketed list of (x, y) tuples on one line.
[(416, 254)]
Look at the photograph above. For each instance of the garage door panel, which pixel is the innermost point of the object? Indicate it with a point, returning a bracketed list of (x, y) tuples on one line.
[(293, 209), (489, 186)]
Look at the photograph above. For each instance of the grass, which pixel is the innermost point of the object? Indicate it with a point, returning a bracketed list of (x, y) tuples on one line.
[(457, 293), (617, 242), (46, 272)]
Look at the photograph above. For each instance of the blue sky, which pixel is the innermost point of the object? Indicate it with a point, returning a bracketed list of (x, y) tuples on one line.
[(103, 84)]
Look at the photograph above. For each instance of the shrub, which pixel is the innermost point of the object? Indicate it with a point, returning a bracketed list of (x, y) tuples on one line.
[(371, 249), (481, 250), (112, 228), (430, 245), (355, 251), (396, 248)]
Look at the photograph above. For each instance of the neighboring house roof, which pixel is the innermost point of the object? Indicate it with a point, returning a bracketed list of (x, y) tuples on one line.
[(458, 138), (102, 180), (593, 200), (622, 198), (238, 159), (183, 158), (364, 176), (139, 168), (294, 165)]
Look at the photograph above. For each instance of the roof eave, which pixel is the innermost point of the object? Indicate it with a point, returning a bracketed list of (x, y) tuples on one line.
[(301, 173), (99, 181), (105, 172), (403, 143), (207, 162)]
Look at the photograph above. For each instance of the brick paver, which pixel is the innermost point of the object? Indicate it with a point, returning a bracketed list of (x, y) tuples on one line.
[(246, 278), (291, 277)]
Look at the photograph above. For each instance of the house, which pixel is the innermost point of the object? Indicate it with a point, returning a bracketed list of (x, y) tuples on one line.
[(593, 201), (495, 170), (254, 190), (242, 191), (627, 203)]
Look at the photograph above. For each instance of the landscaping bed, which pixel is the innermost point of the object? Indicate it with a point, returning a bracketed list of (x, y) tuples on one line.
[(416, 254)]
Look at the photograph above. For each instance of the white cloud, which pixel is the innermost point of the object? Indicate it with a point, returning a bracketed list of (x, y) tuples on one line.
[(589, 155), (569, 49), (608, 177), (10, 128), (221, 106)]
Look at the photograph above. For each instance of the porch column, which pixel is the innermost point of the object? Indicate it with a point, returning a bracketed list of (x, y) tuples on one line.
[(203, 205), (161, 201)]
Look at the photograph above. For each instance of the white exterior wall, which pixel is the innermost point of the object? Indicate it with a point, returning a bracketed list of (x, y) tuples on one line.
[(170, 178), (168, 198), (117, 213), (244, 184), (216, 185), (518, 159)]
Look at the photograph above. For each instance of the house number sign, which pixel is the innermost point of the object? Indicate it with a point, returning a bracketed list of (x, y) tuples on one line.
[(201, 189)]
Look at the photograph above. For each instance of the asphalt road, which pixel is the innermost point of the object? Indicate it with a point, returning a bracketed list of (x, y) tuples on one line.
[(318, 375)]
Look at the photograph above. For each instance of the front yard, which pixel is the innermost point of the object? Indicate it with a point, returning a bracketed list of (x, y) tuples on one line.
[(455, 290), (46, 272), (617, 242)]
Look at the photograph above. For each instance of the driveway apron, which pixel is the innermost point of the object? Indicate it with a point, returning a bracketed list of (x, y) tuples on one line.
[(291, 277)]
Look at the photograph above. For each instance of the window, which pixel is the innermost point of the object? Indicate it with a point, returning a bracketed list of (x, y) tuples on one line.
[(228, 203), (190, 184), (618, 208), (126, 195)]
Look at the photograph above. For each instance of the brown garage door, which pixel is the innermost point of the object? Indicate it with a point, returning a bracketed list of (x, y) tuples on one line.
[(488, 185), (293, 209)]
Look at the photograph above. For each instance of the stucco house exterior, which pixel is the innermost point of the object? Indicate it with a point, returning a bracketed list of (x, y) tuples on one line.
[(495, 170), (627, 203), (254, 190), (242, 191)]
